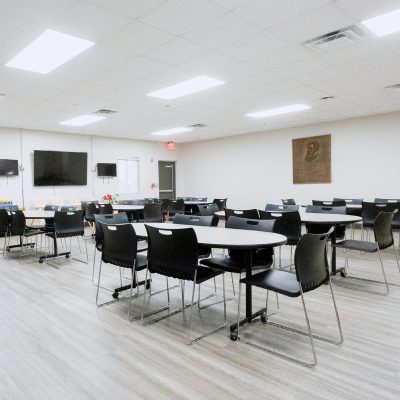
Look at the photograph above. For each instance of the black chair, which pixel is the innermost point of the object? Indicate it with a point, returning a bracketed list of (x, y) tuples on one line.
[(357, 201), (312, 271), (67, 208), (383, 240), (152, 212), (119, 248), (176, 207), (19, 228), (4, 226), (281, 208), (329, 203), (13, 207), (106, 208), (340, 230), (380, 200), (174, 253), (67, 225), (288, 202), (90, 210), (370, 211), (120, 218), (208, 209), (352, 205), (50, 207), (236, 260), (221, 203), (287, 224), (248, 214)]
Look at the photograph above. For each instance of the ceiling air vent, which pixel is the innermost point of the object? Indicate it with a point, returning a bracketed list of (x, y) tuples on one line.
[(197, 126), (104, 111), (335, 40)]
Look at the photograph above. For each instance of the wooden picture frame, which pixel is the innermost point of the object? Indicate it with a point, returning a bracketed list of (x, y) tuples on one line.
[(312, 159)]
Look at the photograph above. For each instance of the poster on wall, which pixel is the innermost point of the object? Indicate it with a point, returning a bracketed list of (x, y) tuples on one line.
[(312, 159)]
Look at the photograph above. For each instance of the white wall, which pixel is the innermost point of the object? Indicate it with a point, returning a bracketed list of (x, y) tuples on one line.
[(254, 169), (20, 144)]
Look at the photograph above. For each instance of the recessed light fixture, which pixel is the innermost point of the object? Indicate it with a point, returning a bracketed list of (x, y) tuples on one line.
[(194, 85), (82, 120), (50, 50), (172, 131), (384, 24), (278, 111)]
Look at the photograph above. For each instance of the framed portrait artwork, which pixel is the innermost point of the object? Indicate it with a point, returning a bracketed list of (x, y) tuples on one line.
[(312, 159)]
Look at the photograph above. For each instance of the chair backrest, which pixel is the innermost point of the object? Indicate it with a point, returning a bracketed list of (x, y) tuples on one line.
[(91, 209), (379, 200), (349, 202), (221, 203), (176, 206), (67, 208), (383, 229), (13, 207), (198, 220), (50, 207), (288, 202), (68, 224), (281, 208), (200, 198), (329, 203), (18, 222), (120, 218), (165, 204), (119, 244), (106, 208), (152, 212), (250, 214), (4, 220), (371, 210), (208, 209), (311, 261), (265, 225), (326, 209), (172, 252), (288, 224)]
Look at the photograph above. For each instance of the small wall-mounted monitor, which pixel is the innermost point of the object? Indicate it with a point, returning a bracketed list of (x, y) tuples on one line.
[(8, 167), (104, 169)]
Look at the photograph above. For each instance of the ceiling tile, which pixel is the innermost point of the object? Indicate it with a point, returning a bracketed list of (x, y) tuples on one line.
[(88, 21), (130, 8), (363, 9), (268, 13), (180, 16), (222, 31), (137, 38), (176, 51)]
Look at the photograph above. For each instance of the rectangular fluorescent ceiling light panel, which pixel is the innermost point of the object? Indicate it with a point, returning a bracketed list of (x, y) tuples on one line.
[(194, 85), (171, 131), (278, 111), (82, 120), (384, 24), (50, 50)]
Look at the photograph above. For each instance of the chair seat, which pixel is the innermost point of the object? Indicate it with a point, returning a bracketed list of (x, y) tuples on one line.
[(359, 245), (282, 282), (224, 263), (204, 274), (32, 232), (65, 234)]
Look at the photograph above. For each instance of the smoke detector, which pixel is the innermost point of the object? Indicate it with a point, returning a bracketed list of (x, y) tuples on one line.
[(335, 40)]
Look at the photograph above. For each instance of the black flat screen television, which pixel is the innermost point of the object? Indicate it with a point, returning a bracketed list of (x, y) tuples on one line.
[(8, 167), (59, 168), (104, 169)]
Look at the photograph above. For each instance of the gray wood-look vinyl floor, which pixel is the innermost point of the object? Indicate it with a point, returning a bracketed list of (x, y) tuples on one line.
[(56, 344)]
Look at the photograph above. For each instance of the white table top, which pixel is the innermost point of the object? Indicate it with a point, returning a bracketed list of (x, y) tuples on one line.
[(318, 218), (222, 237), (39, 214), (127, 207)]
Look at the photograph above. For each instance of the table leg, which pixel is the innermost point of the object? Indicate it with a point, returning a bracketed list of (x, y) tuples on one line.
[(55, 254)]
